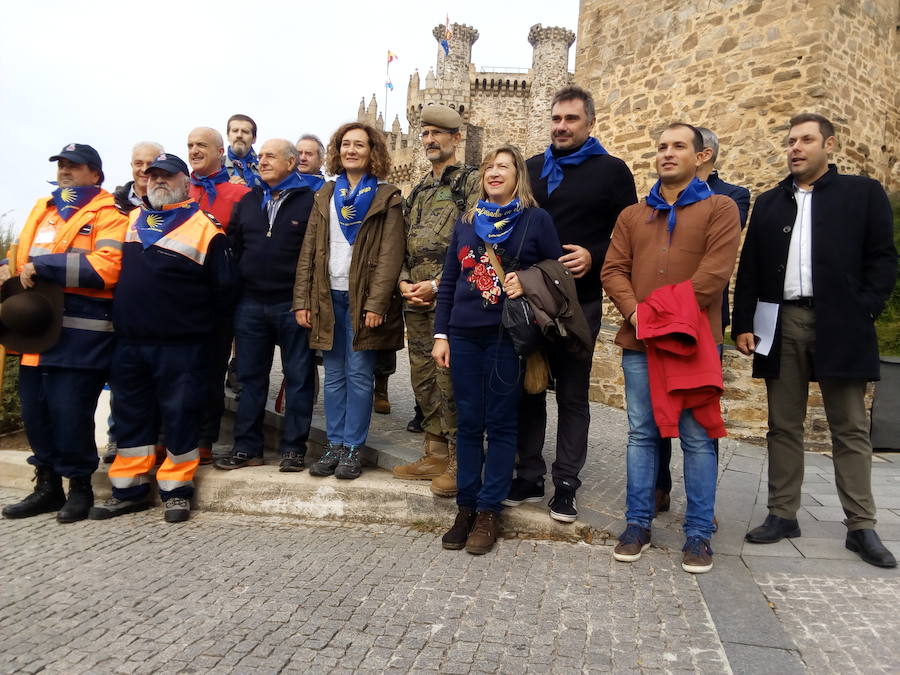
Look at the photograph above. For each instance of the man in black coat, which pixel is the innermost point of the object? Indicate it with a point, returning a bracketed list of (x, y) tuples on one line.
[(267, 229), (820, 245), (584, 188)]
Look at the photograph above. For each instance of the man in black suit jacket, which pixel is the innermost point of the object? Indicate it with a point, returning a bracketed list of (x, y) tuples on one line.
[(821, 246)]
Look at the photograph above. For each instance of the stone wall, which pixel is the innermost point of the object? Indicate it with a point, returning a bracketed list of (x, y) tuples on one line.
[(743, 403), (742, 68)]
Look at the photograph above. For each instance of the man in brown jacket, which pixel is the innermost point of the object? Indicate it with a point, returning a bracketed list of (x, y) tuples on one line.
[(681, 231)]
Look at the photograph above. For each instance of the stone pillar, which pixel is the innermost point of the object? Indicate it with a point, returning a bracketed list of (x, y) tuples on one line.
[(549, 73)]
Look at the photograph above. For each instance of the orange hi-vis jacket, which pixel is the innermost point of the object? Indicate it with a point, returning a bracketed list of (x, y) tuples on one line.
[(84, 257), (188, 272)]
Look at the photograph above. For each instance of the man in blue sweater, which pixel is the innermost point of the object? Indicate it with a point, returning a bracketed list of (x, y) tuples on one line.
[(177, 279), (267, 230)]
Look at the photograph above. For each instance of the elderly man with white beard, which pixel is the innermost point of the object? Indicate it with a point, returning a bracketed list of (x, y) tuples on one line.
[(177, 278)]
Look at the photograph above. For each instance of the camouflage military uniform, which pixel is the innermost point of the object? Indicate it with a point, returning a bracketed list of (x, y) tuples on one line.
[(431, 212)]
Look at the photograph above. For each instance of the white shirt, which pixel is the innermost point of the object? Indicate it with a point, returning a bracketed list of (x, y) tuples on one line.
[(340, 254), (798, 281)]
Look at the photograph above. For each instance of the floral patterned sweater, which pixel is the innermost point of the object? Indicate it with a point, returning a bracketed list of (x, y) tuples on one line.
[(470, 296)]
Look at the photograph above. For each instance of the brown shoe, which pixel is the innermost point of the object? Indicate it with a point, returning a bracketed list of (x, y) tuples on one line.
[(433, 463), (382, 404), (455, 538), (206, 456), (445, 484), (484, 533), (663, 501)]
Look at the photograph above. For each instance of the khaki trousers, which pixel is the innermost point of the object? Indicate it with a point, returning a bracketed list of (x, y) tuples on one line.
[(846, 414)]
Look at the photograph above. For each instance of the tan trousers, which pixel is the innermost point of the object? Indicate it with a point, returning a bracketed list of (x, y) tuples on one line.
[(431, 385), (846, 414)]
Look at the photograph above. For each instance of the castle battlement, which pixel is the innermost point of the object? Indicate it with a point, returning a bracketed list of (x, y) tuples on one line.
[(497, 106)]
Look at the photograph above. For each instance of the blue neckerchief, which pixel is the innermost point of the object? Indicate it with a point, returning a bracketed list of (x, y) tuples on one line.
[(293, 180), (208, 183), (247, 167), (69, 199), (696, 191), (494, 223), (152, 226), (314, 180), (352, 207), (553, 165)]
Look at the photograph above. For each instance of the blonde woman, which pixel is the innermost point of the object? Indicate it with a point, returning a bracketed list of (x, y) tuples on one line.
[(469, 338)]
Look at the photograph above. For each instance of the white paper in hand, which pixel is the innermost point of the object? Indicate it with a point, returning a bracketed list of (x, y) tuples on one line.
[(764, 321)]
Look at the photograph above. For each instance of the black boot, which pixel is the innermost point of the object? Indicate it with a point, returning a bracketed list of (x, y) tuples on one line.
[(48, 496), (80, 501)]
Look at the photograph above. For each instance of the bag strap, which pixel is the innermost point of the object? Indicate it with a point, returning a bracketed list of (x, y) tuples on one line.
[(495, 261)]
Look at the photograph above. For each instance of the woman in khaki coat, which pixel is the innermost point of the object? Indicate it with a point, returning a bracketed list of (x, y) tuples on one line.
[(345, 290)]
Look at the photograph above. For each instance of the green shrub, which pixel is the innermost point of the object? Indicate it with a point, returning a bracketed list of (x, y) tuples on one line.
[(10, 412), (888, 324)]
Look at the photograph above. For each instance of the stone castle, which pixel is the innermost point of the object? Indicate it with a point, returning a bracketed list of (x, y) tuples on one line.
[(739, 67), (497, 107)]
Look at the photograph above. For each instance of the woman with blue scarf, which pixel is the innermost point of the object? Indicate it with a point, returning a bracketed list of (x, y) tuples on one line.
[(345, 290), (469, 338)]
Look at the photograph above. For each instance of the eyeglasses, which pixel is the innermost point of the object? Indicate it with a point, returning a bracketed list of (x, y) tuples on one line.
[(432, 132)]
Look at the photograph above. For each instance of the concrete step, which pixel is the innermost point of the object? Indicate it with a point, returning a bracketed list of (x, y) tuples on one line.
[(375, 497)]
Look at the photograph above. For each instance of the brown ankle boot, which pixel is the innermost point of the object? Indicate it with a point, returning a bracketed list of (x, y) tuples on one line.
[(382, 404), (435, 456), (455, 538), (484, 533), (445, 484)]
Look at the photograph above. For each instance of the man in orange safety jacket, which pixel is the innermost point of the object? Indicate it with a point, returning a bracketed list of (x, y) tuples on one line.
[(177, 280), (74, 238)]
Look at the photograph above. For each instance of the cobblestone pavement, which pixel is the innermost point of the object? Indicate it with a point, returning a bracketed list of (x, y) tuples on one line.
[(252, 594), (840, 625)]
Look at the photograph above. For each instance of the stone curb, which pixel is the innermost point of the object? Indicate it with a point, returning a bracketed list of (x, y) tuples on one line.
[(374, 497)]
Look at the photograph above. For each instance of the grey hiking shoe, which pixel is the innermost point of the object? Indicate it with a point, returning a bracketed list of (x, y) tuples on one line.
[(350, 465), (328, 462), (178, 509), (113, 507)]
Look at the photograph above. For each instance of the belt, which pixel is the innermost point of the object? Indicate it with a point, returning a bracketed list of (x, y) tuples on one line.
[(806, 303)]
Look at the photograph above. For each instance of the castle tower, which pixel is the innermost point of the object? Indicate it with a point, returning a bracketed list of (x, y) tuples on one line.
[(361, 112), (453, 68), (549, 73), (372, 113)]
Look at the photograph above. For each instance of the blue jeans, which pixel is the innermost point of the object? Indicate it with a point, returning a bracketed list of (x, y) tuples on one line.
[(643, 459), (487, 386), (258, 328), (349, 380)]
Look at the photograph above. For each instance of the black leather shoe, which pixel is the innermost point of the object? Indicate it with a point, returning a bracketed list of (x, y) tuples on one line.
[(773, 529), (867, 544)]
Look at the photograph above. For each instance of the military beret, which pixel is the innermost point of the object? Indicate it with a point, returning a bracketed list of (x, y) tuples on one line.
[(441, 116)]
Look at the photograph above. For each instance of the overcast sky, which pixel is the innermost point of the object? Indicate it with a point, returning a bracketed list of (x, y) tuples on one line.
[(111, 73)]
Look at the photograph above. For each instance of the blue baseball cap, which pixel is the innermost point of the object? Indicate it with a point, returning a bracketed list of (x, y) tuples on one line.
[(81, 153), (169, 162)]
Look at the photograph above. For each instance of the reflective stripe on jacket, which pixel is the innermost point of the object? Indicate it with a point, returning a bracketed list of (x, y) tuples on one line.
[(85, 258)]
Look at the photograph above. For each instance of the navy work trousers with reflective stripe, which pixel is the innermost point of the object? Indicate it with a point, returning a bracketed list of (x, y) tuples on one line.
[(150, 381), (58, 406)]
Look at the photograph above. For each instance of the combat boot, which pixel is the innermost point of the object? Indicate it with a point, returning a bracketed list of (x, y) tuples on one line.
[(80, 501), (382, 404), (434, 460), (445, 484), (48, 496)]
